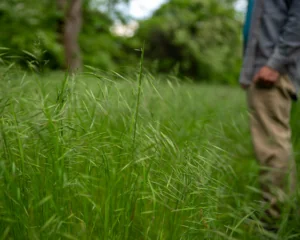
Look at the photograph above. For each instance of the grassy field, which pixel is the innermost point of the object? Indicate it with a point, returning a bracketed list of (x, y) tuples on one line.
[(97, 157)]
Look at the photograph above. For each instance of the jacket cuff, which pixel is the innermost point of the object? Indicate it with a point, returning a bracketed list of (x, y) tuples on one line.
[(277, 62)]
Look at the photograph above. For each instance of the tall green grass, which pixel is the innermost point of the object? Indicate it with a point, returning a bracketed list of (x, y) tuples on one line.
[(109, 157)]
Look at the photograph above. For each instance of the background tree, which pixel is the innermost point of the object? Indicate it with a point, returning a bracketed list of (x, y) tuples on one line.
[(198, 38), (70, 29), (71, 21)]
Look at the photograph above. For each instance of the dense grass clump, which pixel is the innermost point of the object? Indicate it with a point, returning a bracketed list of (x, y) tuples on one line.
[(85, 158)]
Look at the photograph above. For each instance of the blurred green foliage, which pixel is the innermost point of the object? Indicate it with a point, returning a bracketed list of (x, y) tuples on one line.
[(195, 38), (198, 38), (29, 31), (100, 48)]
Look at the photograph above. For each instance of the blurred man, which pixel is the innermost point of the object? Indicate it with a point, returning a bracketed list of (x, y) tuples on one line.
[(271, 75)]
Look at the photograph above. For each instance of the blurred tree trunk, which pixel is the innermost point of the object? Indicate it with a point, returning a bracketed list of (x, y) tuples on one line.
[(69, 29)]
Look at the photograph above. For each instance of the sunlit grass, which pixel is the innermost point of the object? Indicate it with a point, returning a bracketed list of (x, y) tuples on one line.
[(83, 158)]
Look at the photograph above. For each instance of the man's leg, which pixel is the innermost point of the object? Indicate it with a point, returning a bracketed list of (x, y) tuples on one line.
[(271, 134)]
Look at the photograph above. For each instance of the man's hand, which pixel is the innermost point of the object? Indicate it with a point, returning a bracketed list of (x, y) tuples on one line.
[(266, 77)]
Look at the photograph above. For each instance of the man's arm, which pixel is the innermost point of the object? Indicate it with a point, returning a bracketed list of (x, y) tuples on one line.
[(289, 43)]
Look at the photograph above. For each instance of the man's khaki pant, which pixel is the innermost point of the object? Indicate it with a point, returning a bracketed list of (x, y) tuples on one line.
[(271, 135)]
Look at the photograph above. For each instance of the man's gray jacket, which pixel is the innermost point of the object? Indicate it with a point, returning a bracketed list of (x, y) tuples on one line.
[(274, 40)]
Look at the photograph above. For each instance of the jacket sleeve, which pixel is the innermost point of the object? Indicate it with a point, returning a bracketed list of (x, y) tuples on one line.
[(289, 42)]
